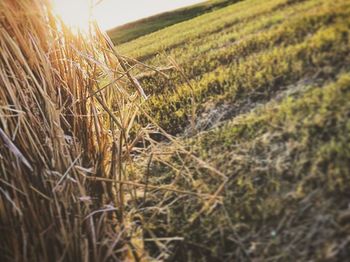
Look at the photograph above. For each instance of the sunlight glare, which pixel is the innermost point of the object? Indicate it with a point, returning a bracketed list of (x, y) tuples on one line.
[(75, 13), (111, 13)]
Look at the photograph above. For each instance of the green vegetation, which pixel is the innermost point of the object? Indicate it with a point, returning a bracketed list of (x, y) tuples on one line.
[(286, 196), (130, 31), (260, 53), (270, 84)]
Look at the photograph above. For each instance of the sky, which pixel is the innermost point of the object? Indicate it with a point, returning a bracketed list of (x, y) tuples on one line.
[(110, 13)]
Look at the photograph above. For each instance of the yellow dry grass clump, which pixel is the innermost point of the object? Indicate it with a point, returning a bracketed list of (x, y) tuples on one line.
[(60, 139)]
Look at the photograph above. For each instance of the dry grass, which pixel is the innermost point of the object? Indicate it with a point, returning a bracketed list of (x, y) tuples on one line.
[(57, 129), (68, 108), (82, 180)]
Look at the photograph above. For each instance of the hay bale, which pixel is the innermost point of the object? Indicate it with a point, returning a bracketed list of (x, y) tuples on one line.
[(53, 136)]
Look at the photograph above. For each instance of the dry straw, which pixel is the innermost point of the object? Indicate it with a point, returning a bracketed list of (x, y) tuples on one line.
[(59, 126), (68, 105)]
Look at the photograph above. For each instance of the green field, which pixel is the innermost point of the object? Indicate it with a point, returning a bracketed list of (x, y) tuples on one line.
[(130, 31), (260, 99)]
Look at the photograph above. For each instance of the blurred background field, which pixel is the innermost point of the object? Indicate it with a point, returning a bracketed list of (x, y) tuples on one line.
[(259, 90), (130, 31)]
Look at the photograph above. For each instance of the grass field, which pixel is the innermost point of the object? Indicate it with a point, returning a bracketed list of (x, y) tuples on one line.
[(130, 31), (259, 91), (219, 132)]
